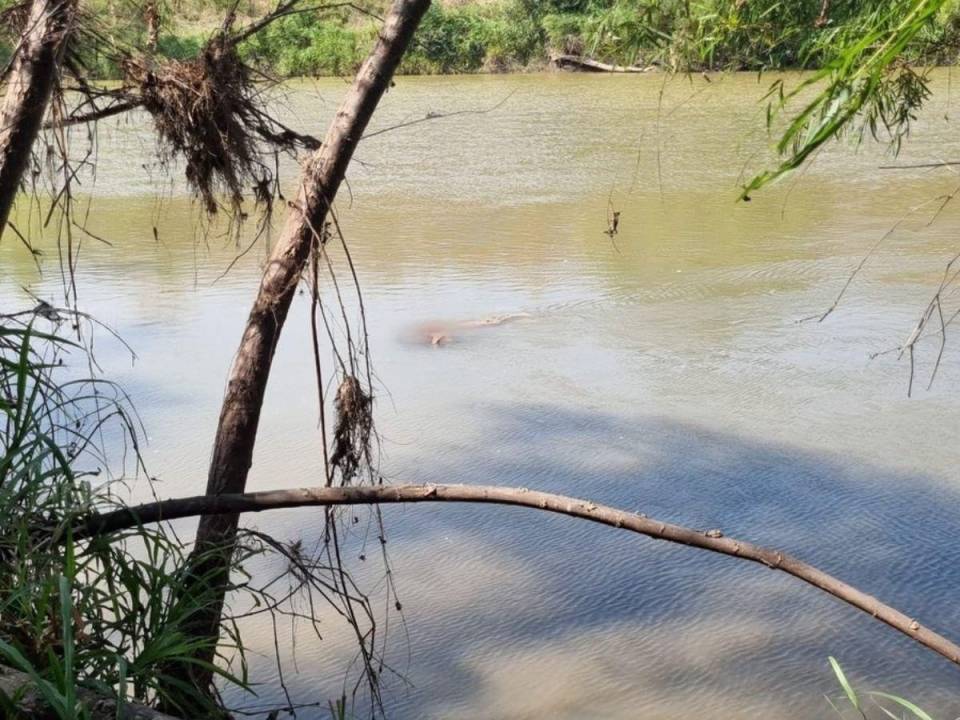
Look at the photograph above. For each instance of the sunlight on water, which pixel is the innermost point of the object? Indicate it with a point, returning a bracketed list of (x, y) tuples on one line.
[(665, 371)]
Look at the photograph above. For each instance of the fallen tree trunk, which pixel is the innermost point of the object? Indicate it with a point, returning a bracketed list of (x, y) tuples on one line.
[(240, 413), (575, 62), (33, 75), (713, 540)]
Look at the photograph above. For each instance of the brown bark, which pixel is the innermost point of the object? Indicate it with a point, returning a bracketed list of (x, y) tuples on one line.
[(151, 15), (712, 540), (33, 76), (240, 412)]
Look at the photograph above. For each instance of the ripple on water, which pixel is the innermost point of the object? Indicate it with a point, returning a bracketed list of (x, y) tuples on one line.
[(665, 373)]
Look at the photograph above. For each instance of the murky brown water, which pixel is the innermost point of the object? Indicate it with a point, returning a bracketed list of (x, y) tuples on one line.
[(666, 373)]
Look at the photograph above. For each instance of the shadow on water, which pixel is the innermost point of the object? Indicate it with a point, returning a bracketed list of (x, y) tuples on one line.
[(661, 628)]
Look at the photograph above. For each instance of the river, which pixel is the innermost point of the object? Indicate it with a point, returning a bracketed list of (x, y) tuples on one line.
[(665, 370)]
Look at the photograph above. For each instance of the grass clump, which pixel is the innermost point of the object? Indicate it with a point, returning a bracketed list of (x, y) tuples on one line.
[(84, 622), (90, 623), (869, 704)]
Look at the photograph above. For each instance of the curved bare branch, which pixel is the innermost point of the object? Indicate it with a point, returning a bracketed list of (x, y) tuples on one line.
[(712, 540)]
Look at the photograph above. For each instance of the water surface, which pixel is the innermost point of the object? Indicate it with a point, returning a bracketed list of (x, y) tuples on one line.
[(665, 371)]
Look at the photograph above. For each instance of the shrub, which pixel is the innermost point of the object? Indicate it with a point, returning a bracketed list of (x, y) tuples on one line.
[(300, 45), (564, 32), (450, 40)]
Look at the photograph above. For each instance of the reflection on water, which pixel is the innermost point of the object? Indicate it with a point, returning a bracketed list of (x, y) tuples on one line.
[(666, 372)]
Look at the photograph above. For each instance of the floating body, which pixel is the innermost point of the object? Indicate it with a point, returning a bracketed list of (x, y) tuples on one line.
[(438, 334)]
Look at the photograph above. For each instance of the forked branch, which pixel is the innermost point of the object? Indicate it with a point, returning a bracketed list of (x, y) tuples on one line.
[(712, 540)]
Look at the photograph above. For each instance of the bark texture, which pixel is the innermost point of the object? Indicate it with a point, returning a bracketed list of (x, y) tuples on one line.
[(33, 76), (240, 413), (712, 540)]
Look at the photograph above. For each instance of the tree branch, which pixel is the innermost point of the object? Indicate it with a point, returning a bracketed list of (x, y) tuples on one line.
[(712, 540), (292, 7), (438, 116), (236, 435), (96, 114)]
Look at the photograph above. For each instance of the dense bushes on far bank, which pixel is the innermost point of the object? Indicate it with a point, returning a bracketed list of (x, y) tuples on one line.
[(680, 34), (463, 36)]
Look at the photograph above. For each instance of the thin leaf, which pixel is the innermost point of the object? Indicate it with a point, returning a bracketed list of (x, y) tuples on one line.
[(844, 683), (902, 703)]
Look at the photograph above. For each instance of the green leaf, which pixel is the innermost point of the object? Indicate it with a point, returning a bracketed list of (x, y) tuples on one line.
[(121, 684), (844, 683), (902, 703), (50, 694), (66, 619)]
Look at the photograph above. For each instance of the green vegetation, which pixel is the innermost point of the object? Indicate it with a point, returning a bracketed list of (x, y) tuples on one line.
[(90, 616), (867, 85), (93, 623), (863, 702), (523, 34), (505, 35)]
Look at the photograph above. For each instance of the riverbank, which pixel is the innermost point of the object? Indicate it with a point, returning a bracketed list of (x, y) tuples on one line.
[(524, 35), (475, 36)]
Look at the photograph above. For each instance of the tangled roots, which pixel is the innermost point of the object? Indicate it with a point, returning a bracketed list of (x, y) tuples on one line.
[(354, 428), (209, 112)]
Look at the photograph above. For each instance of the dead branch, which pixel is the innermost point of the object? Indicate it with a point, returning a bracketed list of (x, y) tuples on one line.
[(581, 63), (293, 7), (208, 111), (229, 505), (863, 261), (919, 166), (152, 19), (439, 116), (116, 108), (951, 274), (823, 19), (136, 91)]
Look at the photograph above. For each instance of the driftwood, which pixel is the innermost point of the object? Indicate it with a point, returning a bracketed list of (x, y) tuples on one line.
[(33, 75), (229, 505), (31, 704), (575, 62)]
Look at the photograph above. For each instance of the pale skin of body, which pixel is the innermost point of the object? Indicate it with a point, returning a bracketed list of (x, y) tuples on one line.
[(438, 334)]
